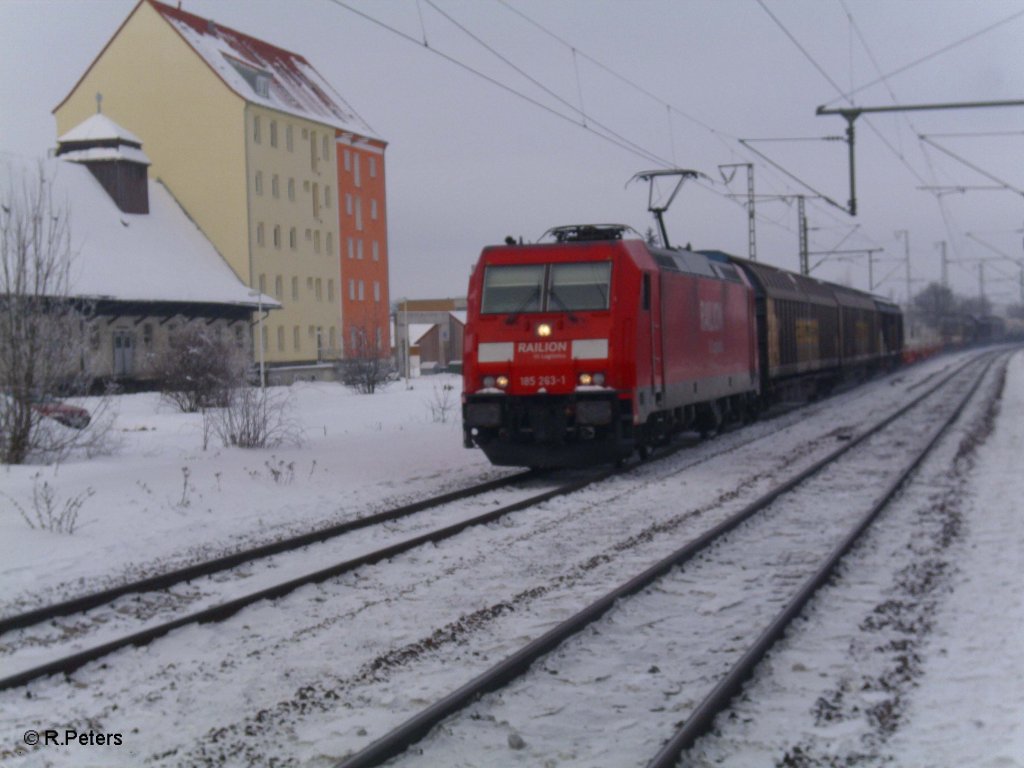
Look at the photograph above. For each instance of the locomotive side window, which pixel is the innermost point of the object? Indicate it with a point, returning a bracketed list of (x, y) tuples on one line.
[(579, 286), (515, 289)]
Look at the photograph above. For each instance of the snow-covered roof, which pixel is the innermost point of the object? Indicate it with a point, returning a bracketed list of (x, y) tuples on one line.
[(159, 256), (459, 315), (93, 154), (100, 138), (418, 330), (99, 127), (264, 74)]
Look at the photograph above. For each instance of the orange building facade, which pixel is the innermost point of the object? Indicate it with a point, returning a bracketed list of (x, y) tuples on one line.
[(362, 218)]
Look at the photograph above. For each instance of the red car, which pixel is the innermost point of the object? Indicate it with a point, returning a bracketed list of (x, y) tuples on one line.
[(68, 415)]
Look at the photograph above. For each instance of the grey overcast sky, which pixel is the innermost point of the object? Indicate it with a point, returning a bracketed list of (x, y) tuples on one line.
[(580, 95)]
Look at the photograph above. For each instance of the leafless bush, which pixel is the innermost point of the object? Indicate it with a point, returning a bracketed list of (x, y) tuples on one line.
[(442, 402), (48, 512), (256, 418), (198, 369), (367, 366)]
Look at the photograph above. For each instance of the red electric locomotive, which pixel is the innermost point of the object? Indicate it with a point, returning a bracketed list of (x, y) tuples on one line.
[(586, 348)]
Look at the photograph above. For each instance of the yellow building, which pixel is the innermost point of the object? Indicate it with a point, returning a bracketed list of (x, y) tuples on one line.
[(243, 134)]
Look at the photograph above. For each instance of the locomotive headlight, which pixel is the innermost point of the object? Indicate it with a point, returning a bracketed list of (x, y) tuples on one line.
[(502, 382), (586, 379), (543, 330)]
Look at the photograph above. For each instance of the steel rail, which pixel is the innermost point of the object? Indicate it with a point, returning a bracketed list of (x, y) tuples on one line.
[(208, 567), (701, 719), (415, 728), (222, 611)]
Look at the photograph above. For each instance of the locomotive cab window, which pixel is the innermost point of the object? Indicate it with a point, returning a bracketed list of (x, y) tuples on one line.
[(579, 286), (567, 287), (516, 288)]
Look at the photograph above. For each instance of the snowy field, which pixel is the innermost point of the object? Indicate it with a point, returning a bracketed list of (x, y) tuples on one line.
[(159, 500)]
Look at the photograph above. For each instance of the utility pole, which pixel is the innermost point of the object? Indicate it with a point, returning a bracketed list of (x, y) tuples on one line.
[(850, 114), (905, 233), (945, 263), (805, 267), (751, 233)]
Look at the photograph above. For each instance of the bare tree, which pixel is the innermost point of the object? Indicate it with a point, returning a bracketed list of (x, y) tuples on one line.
[(367, 365), (199, 368), (42, 326)]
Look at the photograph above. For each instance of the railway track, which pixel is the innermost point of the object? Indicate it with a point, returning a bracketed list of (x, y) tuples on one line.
[(126, 599), (148, 601), (782, 503)]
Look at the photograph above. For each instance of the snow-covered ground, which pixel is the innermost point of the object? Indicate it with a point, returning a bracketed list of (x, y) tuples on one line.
[(306, 680)]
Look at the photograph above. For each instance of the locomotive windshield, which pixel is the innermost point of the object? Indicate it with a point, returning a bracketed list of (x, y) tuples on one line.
[(565, 287)]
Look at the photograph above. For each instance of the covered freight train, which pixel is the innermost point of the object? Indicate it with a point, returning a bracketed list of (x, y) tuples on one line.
[(586, 348)]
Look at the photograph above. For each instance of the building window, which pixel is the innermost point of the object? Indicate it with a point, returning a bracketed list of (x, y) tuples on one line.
[(263, 283), (348, 160), (348, 204), (316, 241), (373, 167), (289, 139), (259, 182), (376, 290), (278, 287), (327, 149), (329, 244), (316, 201), (262, 85), (359, 214), (351, 248), (327, 195), (147, 336), (355, 171), (297, 338), (295, 289), (312, 151), (239, 337), (273, 133), (373, 209), (275, 188), (330, 296), (376, 251), (319, 290), (280, 338), (333, 336), (256, 129), (359, 249), (362, 292), (309, 283), (291, 189), (259, 233), (277, 236), (351, 289), (293, 239)]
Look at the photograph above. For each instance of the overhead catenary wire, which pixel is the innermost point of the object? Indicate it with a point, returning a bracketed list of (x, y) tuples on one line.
[(493, 81), (578, 116), (928, 57)]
